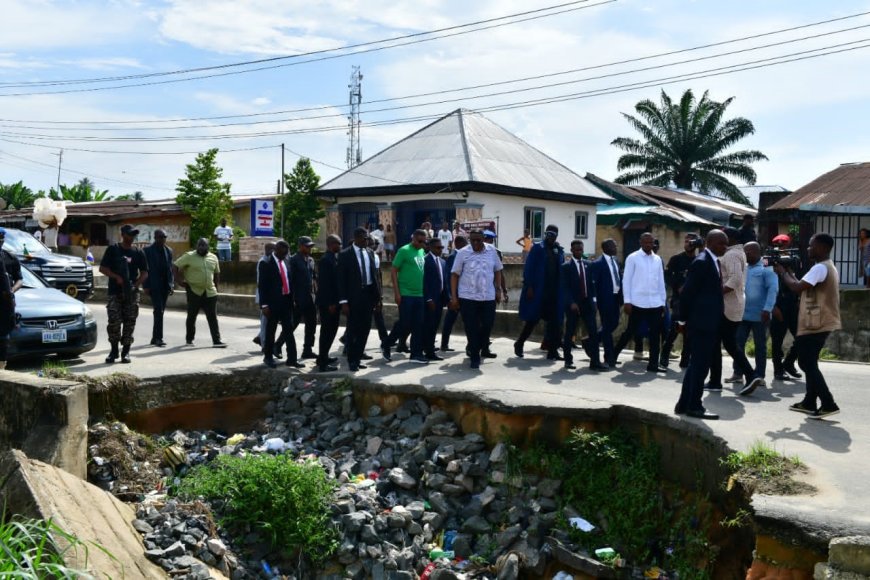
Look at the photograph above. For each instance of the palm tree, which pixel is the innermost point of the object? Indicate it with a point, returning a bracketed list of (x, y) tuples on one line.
[(16, 195), (82, 191), (685, 144), (135, 196)]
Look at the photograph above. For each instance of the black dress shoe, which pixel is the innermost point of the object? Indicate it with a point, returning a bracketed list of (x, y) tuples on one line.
[(434, 356), (656, 369), (361, 366), (278, 354), (445, 348), (679, 410), (332, 360), (327, 368), (598, 367), (308, 354), (555, 356), (363, 356), (402, 347), (353, 368), (569, 366), (792, 371), (702, 414), (518, 349), (295, 364), (256, 340), (488, 354), (780, 377), (270, 362), (219, 344)]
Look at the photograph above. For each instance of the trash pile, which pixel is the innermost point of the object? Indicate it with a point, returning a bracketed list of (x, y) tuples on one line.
[(416, 498)]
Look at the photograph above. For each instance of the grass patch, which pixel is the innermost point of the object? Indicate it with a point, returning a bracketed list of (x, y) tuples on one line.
[(288, 502), (55, 369), (33, 549), (763, 469), (826, 354), (615, 482)]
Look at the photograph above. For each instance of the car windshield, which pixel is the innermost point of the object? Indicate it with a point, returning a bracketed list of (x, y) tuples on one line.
[(31, 280), (16, 240)]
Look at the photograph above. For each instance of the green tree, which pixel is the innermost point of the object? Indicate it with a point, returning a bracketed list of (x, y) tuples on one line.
[(16, 195), (685, 143), (82, 191), (203, 196), (300, 209), (135, 196)]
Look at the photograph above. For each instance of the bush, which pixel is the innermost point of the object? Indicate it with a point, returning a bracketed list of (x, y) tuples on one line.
[(31, 549), (286, 500)]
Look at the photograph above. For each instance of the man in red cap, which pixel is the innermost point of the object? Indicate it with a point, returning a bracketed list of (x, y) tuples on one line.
[(783, 321)]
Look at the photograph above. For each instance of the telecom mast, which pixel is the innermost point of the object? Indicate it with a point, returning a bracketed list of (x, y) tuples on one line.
[(354, 149)]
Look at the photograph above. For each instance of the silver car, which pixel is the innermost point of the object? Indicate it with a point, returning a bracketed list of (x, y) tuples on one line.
[(49, 322)]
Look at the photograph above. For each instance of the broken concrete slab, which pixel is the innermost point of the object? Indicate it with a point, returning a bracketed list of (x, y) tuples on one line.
[(37, 490)]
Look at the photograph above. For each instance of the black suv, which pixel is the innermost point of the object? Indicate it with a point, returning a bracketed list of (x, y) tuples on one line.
[(68, 274)]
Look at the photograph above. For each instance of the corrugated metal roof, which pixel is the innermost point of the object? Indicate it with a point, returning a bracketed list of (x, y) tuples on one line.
[(464, 148), (847, 185), (711, 208)]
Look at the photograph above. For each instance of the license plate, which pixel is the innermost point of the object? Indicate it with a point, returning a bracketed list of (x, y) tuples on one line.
[(54, 336)]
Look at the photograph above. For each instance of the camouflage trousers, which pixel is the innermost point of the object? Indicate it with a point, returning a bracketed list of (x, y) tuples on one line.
[(123, 309)]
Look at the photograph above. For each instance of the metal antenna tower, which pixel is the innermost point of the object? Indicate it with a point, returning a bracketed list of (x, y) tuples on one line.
[(354, 148)]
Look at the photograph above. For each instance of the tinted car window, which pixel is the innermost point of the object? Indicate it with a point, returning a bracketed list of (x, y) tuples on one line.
[(16, 240)]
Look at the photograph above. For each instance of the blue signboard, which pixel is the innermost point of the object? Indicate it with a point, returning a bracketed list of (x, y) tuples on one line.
[(262, 217)]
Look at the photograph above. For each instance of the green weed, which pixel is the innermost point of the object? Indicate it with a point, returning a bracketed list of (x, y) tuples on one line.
[(286, 500), (55, 369), (762, 460)]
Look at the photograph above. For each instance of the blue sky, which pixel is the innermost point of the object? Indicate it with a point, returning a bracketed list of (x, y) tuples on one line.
[(809, 115)]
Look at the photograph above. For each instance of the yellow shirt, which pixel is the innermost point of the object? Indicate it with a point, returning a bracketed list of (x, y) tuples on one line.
[(199, 272)]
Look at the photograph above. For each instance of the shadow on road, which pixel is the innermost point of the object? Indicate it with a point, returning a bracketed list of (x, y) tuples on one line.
[(825, 433)]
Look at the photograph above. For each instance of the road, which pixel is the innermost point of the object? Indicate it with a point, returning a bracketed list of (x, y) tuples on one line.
[(836, 449)]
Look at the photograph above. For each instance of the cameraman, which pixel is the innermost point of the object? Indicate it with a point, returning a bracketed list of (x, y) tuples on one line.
[(818, 316), (785, 317), (675, 277)]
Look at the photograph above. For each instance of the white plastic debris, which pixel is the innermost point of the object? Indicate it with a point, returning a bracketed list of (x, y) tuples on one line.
[(581, 524)]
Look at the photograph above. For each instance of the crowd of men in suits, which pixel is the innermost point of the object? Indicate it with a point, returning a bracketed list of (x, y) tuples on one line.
[(720, 292)]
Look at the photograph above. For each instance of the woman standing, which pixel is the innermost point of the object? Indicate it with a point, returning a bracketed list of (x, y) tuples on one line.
[(864, 249)]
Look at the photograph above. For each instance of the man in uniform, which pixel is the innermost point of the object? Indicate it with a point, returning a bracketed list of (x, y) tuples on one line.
[(126, 268)]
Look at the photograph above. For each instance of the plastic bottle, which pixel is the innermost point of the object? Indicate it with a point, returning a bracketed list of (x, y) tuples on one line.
[(437, 553)]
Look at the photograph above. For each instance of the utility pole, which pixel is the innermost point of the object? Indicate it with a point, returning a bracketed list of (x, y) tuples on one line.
[(281, 187), (59, 162), (354, 148)]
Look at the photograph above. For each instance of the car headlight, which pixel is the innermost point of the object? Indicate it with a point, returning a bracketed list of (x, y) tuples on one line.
[(88, 315)]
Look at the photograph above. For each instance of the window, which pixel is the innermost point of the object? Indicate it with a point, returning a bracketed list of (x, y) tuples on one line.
[(534, 222), (581, 222)]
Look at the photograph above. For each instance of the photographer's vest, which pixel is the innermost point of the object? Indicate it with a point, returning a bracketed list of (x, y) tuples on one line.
[(820, 305)]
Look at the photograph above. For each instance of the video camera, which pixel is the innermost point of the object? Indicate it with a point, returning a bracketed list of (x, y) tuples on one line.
[(787, 257), (697, 243)]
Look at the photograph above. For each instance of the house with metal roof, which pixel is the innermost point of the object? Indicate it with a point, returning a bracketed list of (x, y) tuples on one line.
[(464, 167), (837, 203)]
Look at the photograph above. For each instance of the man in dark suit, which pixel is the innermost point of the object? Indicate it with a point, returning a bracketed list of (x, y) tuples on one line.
[(304, 281), (459, 242), (159, 283), (434, 295), (608, 295), (702, 307), (578, 295), (327, 302), (540, 298), (359, 293), (276, 302)]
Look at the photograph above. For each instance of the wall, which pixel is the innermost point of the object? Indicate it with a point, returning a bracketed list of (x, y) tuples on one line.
[(853, 341), (670, 240)]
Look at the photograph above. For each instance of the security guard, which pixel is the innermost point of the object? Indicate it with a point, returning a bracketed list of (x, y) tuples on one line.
[(126, 268)]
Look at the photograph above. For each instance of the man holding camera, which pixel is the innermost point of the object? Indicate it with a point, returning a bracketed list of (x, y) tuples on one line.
[(818, 316), (785, 313)]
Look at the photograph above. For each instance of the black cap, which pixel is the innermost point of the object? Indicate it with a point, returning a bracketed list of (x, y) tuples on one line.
[(129, 230), (305, 241)]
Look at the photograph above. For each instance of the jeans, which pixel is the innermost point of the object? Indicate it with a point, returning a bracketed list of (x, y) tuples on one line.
[(809, 346), (196, 302), (411, 313), (478, 317), (759, 337), (728, 337), (225, 255), (653, 317)]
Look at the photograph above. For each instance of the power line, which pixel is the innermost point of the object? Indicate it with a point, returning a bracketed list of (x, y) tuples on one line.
[(322, 58), (473, 97), (486, 85), (748, 65)]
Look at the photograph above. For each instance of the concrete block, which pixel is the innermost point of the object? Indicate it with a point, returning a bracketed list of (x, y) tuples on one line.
[(37, 490), (45, 418), (850, 554)]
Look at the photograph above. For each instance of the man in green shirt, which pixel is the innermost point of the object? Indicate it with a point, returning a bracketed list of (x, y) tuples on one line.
[(199, 272), (407, 276)]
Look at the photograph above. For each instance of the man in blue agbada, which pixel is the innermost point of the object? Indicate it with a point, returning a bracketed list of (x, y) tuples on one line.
[(540, 297)]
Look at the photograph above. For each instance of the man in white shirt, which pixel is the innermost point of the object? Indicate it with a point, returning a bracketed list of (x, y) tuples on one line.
[(446, 237), (224, 236), (643, 288), (377, 235)]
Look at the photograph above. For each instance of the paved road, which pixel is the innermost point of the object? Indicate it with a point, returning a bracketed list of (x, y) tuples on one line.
[(837, 450)]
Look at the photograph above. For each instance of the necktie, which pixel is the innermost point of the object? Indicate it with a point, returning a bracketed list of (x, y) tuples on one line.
[(285, 284), (582, 275), (615, 271), (363, 275)]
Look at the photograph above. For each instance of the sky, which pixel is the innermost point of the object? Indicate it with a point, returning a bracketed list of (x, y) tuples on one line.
[(810, 115)]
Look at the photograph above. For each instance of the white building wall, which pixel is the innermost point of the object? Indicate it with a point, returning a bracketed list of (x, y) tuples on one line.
[(510, 211)]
